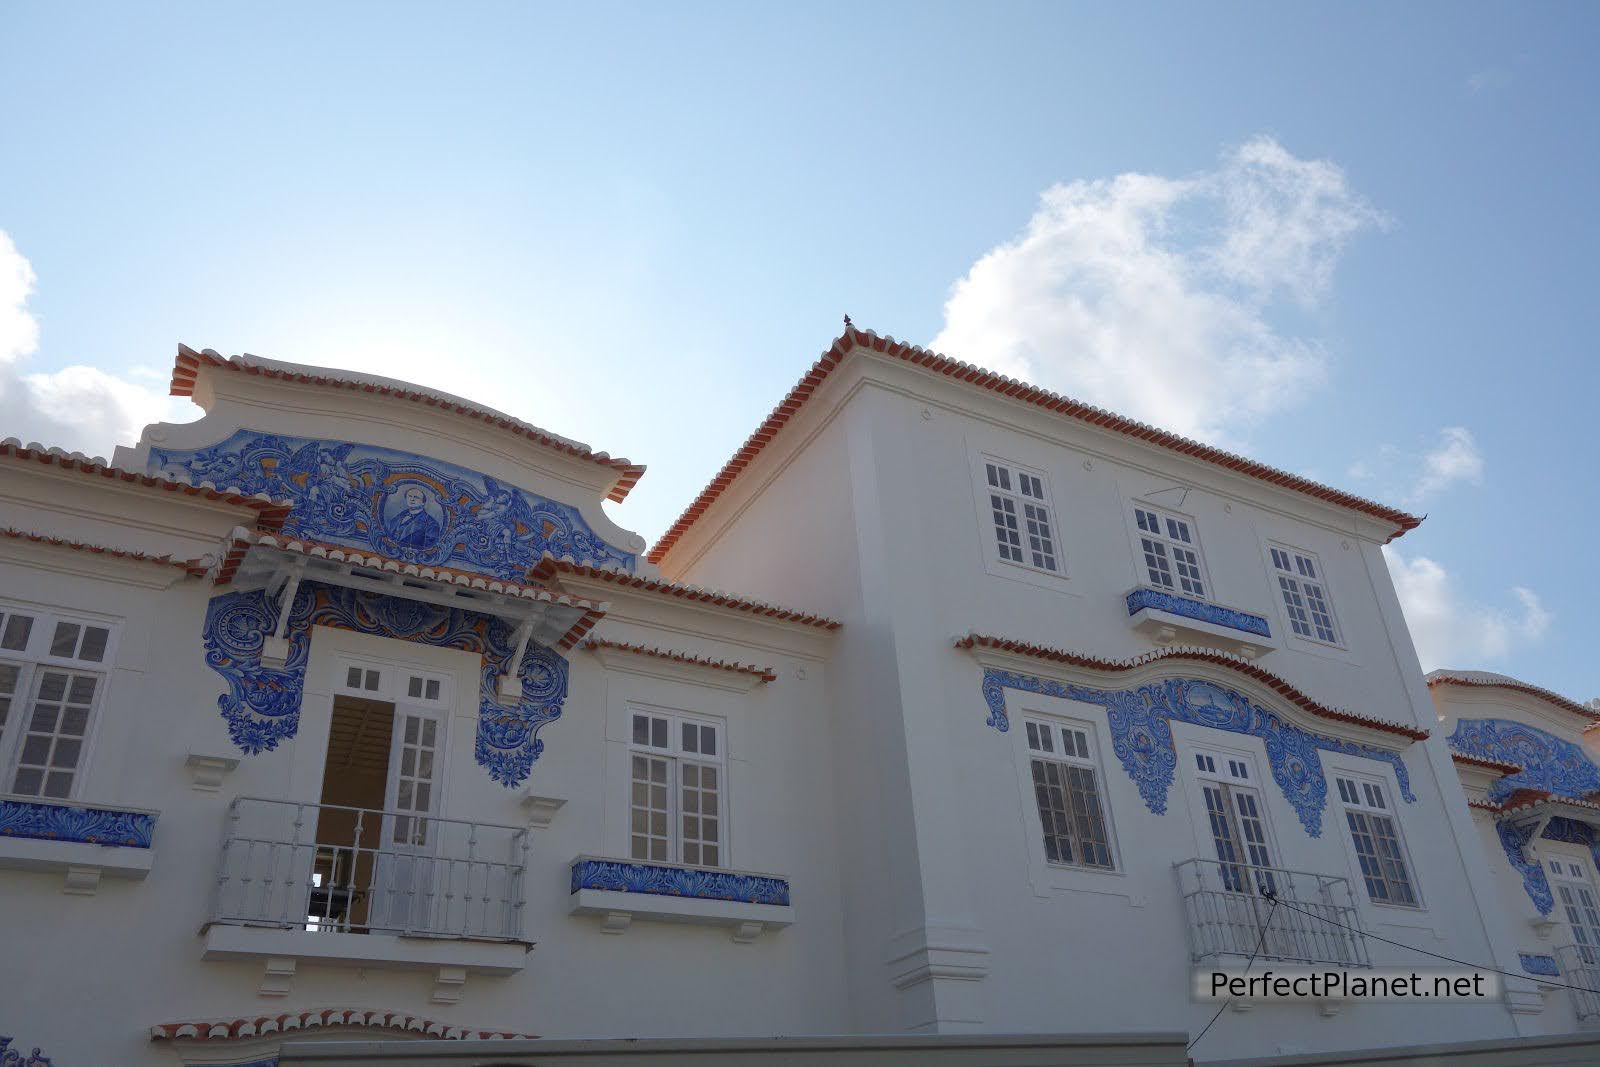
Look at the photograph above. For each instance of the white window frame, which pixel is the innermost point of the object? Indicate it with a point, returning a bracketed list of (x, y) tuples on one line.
[(676, 756), (1287, 567), (1235, 771), (1559, 860), (393, 682), (1168, 544), (1026, 754), (34, 657), (1017, 479), (1365, 785)]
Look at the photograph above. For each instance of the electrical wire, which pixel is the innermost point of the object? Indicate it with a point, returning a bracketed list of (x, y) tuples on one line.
[(1262, 940), (1438, 956)]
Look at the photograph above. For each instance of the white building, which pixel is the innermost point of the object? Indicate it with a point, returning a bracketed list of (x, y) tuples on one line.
[(347, 706), (1527, 761)]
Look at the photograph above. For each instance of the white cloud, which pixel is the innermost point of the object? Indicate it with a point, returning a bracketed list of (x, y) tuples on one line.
[(1149, 295), (1452, 631), (1418, 476), (79, 408), (1456, 459)]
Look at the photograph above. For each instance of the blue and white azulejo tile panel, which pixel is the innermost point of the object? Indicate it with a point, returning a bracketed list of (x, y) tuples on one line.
[(397, 504), (621, 876), (61, 821), (1201, 610), (1141, 734), (262, 704)]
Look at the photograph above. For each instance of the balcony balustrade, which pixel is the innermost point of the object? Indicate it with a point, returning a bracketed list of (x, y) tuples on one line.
[(1580, 969), (325, 868), (1232, 918)]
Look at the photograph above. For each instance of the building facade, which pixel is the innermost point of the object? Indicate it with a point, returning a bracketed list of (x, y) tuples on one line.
[(1527, 761), (347, 708)]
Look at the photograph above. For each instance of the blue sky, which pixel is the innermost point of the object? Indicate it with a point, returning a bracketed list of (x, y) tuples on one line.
[(1352, 240)]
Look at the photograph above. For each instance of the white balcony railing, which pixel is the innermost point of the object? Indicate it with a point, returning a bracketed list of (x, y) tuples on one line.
[(1229, 909), (1580, 969), (330, 868)]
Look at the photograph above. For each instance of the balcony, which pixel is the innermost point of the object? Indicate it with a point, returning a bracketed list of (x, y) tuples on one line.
[(368, 888), (1580, 970), (1170, 618), (1229, 915)]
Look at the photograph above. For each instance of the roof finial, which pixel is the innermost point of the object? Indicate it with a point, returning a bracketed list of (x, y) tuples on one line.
[(848, 325)]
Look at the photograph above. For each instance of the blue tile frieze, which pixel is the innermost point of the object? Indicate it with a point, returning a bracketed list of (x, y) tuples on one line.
[(15, 1057), (1514, 838), (1545, 965), (1548, 762), (659, 880), (60, 821), (1189, 608), (403, 506), (1141, 735), (262, 704)]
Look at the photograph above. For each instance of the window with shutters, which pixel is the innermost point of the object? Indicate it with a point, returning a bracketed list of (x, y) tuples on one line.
[(1306, 600), (1064, 773), (1375, 836), (52, 676), (677, 789), (1168, 550), (1020, 519)]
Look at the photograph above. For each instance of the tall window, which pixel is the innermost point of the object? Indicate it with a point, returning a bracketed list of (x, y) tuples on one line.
[(675, 809), (1019, 509), (1170, 550), (52, 670), (1376, 837), (1580, 905), (1067, 791), (1305, 598), (1236, 820)]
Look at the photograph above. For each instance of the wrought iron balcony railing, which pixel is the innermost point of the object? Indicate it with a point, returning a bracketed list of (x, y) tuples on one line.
[(330, 868), (1580, 969), (1231, 914)]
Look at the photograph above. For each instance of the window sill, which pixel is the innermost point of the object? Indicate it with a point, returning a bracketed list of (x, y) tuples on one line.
[(80, 841), (623, 890), (1171, 618)]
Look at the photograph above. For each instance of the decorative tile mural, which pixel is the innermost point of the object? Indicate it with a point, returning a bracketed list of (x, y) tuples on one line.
[(1547, 761), (1190, 608), (1545, 965), (1141, 735), (15, 1057), (61, 821), (262, 704), (657, 879), (403, 506)]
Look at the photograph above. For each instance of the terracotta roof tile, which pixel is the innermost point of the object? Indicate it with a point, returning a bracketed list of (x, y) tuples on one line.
[(1490, 680), (551, 566), (853, 340), (1278, 685), (197, 567), (270, 514), (766, 674), (252, 1026), (187, 369)]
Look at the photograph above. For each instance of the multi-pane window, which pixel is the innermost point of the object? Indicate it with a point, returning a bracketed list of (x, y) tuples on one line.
[(1580, 905), (51, 674), (1236, 821), (1066, 790), (1019, 510), (1376, 838), (1305, 597), (676, 786), (1170, 551)]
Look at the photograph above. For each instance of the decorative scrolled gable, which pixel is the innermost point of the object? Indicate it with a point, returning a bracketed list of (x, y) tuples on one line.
[(397, 504)]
